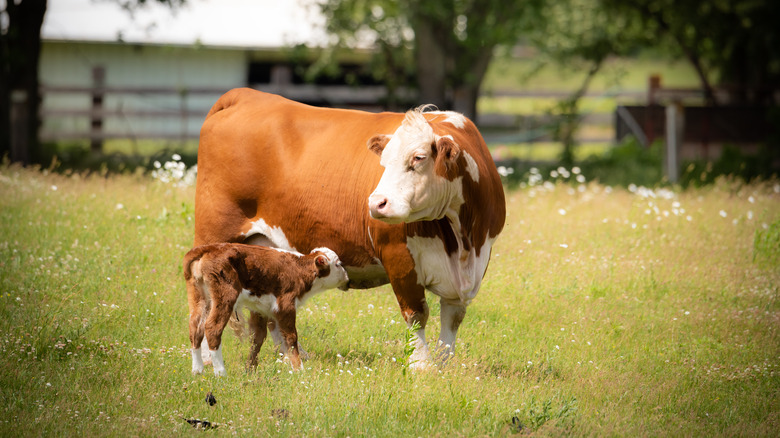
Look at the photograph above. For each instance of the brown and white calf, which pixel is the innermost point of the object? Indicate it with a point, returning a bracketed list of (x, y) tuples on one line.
[(224, 278)]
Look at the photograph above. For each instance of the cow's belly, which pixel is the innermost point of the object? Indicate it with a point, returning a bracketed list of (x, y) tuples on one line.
[(453, 277), (366, 277)]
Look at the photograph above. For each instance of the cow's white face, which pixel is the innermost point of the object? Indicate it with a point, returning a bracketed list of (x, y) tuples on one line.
[(419, 181)]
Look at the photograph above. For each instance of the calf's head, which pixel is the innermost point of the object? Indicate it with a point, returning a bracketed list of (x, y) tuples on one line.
[(419, 181), (331, 274)]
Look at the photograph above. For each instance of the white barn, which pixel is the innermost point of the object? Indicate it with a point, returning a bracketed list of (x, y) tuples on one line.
[(106, 73)]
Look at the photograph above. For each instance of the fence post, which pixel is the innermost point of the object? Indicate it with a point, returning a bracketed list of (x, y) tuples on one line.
[(183, 92), (96, 118), (653, 86), (20, 143), (675, 124)]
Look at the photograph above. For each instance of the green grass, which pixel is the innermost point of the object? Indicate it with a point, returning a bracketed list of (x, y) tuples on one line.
[(598, 316)]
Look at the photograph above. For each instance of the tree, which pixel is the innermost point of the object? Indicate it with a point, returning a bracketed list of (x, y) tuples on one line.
[(20, 45), (452, 41), (736, 42), (581, 35), (20, 48)]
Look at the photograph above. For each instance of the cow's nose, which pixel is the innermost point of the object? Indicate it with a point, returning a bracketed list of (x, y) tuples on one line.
[(377, 206)]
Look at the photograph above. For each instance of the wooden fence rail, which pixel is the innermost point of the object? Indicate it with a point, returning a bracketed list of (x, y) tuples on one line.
[(98, 113)]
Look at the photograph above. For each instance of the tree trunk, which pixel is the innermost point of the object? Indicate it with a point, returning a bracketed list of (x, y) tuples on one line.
[(20, 48), (468, 81), (431, 64)]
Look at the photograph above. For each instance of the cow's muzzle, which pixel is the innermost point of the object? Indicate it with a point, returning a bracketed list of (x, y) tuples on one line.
[(378, 206)]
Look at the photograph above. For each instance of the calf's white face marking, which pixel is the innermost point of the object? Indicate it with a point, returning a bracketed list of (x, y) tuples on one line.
[(337, 278), (411, 189)]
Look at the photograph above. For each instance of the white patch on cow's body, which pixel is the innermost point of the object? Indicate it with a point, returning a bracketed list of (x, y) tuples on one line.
[(218, 361), (457, 120), (274, 235), (455, 278), (471, 166)]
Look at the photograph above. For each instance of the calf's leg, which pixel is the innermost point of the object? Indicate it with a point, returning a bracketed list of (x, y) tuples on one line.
[(286, 322), (223, 299), (258, 327), (197, 306)]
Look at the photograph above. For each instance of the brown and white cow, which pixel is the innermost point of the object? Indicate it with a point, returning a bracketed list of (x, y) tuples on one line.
[(223, 278), (411, 199)]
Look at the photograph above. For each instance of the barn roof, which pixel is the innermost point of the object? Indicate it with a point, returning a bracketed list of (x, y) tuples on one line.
[(230, 23)]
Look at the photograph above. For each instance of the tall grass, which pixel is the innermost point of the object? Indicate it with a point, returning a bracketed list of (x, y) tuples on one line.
[(604, 312)]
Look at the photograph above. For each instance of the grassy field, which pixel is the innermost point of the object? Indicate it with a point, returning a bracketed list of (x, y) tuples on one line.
[(629, 74), (605, 312)]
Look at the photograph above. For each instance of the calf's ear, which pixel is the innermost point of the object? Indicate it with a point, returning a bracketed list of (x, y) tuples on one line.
[(377, 143), (321, 262), (447, 153)]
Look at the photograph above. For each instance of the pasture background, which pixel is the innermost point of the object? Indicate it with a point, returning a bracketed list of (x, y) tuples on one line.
[(605, 311)]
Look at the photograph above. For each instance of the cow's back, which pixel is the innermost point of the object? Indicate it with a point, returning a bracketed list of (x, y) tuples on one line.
[(265, 159)]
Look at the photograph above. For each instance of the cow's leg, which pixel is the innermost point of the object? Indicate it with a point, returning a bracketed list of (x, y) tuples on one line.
[(285, 320), (420, 358), (411, 299), (452, 314), (258, 326), (276, 335)]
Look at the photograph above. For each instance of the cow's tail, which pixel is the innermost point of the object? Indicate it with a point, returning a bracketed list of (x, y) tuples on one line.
[(239, 324)]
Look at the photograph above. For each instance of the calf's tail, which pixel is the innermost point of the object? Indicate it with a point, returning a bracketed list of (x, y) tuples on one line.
[(189, 266)]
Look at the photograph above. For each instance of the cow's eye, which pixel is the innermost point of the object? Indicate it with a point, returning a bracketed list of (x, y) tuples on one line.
[(416, 161)]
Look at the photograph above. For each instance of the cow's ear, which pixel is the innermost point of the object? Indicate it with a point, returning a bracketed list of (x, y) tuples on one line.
[(377, 143), (447, 152), (321, 262)]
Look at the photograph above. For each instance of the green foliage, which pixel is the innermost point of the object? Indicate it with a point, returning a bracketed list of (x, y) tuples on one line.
[(733, 162), (410, 337), (119, 158), (627, 163), (736, 40), (537, 413)]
